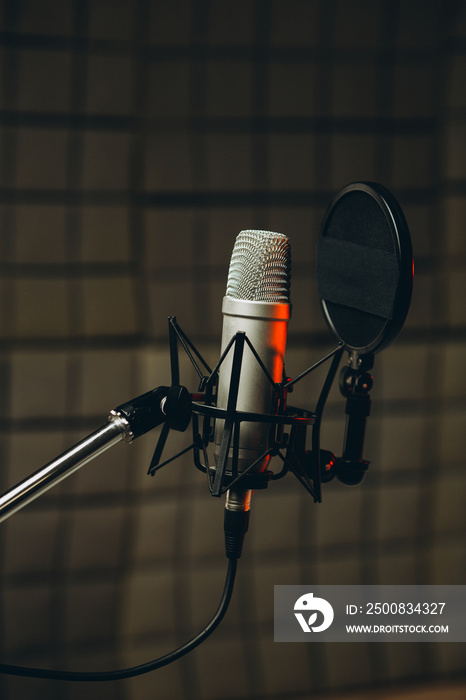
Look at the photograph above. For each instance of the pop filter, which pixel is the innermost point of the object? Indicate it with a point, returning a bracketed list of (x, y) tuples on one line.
[(365, 267)]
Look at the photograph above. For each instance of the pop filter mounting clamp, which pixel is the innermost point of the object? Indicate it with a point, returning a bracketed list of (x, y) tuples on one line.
[(355, 384)]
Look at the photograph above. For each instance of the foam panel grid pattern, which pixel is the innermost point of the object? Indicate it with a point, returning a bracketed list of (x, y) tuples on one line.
[(137, 138)]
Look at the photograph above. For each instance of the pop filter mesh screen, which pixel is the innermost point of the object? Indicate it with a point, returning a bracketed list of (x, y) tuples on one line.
[(358, 268)]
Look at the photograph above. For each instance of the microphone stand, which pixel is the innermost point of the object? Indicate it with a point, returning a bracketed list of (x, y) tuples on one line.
[(61, 467), (127, 422)]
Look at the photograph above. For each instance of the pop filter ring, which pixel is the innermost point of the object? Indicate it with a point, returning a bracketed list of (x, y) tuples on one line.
[(398, 231)]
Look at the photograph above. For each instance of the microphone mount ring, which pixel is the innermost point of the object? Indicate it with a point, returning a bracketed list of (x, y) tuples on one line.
[(293, 417), (304, 464), (255, 481)]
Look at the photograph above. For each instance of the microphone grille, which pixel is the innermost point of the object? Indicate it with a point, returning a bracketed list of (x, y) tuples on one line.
[(260, 267)]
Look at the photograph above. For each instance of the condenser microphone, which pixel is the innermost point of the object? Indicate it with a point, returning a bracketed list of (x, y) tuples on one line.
[(257, 304)]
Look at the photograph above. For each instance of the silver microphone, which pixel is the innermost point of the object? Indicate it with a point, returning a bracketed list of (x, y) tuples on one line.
[(257, 302)]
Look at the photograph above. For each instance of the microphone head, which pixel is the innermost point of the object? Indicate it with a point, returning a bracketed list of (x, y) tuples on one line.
[(260, 267), (365, 267)]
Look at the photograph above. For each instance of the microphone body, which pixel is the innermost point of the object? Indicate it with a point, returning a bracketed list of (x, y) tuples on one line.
[(265, 324)]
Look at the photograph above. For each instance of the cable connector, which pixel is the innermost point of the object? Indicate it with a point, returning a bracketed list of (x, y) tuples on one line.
[(236, 521)]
